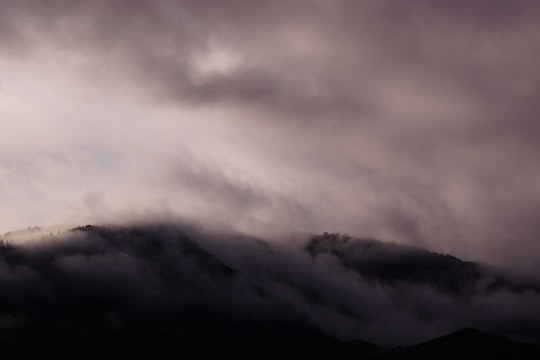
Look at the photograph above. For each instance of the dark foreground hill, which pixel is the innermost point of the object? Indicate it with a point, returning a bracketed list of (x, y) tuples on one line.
[(468, 343), (164, 291)]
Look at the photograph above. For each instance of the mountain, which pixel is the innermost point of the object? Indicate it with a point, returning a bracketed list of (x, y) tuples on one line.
[(143, 292), (393, 264), (170, 290), (468, 343)]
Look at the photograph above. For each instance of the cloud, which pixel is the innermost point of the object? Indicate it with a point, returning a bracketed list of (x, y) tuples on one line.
[(412, 122)]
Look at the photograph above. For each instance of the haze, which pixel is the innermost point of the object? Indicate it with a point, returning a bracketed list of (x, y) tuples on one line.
[(414, 122)]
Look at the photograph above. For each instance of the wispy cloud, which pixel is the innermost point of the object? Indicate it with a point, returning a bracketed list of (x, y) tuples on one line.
[(414, 122)]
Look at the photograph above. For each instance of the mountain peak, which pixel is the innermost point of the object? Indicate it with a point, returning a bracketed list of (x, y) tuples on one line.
[(471, 343)]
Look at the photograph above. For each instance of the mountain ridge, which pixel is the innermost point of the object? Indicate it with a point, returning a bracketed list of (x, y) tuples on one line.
[(130, 290)]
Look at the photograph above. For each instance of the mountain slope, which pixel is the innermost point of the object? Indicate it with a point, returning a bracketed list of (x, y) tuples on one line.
[(146, 291), (393, 264), (469, 343), (143, 292)]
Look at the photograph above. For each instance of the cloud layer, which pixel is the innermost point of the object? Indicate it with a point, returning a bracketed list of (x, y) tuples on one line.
[(413, 122)]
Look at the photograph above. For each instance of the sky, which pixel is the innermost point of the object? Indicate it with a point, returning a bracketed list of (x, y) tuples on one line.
[(414, 122)]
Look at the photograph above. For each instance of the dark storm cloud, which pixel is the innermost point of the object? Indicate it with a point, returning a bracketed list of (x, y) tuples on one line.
[(302, 54), (159, 41), (414, 121)]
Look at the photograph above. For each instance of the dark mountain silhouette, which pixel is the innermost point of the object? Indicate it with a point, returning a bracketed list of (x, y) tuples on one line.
[(468, 343), (145, 292), (394, 263), (164, 291)]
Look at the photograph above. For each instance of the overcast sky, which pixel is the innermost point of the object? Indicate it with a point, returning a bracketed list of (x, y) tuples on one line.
[(410, 121)]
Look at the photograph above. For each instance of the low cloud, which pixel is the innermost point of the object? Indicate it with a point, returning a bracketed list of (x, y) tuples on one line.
[(409, 122)]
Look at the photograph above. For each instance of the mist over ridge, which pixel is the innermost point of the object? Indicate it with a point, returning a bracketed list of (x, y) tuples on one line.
[(110, 278)]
